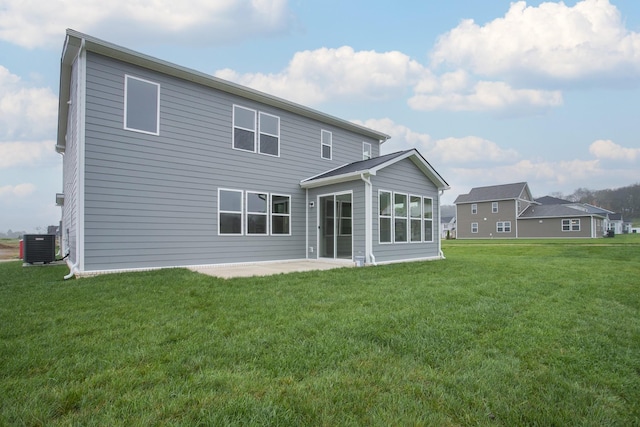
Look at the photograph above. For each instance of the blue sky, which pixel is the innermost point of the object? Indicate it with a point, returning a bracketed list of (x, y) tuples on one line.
[(489, 92)]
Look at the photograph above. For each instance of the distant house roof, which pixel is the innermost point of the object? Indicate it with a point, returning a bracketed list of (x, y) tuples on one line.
[(354, 170), (548, 200), (553, 211), (595, 209), (494, 193), (615, 217), (447, 219)]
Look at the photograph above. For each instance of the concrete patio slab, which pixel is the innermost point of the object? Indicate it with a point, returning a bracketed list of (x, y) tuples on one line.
[(269, 268)]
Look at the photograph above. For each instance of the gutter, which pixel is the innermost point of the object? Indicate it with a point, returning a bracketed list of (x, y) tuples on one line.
[(368, 198)]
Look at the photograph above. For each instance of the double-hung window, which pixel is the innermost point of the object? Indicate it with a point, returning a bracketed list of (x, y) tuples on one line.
[(256, 131), (253, 213), (280, 214), (385, 217), (474, 208), (571, 224), (400, 212), (229, 212), (428, 219), (503, 226), (366, 151), (474, 227), (415, 210), (141, 105), (494, 207), (326, 142), (269, 134), (244, 128), (257, 213)]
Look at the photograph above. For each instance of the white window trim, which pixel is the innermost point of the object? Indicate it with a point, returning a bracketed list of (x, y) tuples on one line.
[(254, 130), (406, 218), (365, 150), (126, 86), (271, 214), (420, 218), (424, 238), (220, 211), (265, 214), (260, 132), (323, 144), (472, 227), (385, 216), (474, 208), (570, 225), (494, 207)]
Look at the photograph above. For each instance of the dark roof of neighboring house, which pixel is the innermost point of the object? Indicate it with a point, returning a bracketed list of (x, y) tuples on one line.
[(446, 219), (548, 200), (551, 211), (353, 170), (615, 217), (595, 209), (493, 193)]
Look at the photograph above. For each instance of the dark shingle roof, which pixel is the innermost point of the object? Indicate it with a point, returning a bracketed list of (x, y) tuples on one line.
[(550, 211), (548, 200), (362, 165), (492, 193)]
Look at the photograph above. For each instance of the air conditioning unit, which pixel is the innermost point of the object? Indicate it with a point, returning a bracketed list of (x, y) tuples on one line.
[(39, 248)]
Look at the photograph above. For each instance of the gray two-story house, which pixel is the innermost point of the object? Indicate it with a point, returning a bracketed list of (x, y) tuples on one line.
[(165, 166), (509, 211)]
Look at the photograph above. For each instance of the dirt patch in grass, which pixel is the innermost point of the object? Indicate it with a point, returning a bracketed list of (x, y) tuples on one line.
[(9, 250)]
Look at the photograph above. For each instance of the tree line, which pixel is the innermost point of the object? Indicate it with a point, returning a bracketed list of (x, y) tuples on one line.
[(624, 200)]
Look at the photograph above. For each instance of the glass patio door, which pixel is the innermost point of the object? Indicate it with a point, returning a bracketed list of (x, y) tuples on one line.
[(335, 226)]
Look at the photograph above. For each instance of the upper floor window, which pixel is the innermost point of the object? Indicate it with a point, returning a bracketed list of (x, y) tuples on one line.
[(494, 207), (141, 105), (269, 134), (256, 132), (366, 151), (326, 142), (244, 129), (474, 208)]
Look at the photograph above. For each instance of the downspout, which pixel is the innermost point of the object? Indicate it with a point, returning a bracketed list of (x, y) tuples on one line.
[(368, 215), (306, 223), (440, 231), (73, 269)]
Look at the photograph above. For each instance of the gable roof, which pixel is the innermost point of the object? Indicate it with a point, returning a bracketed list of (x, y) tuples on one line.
[(551, 211), (494, 193), (548, 200), (355, 170), (76, 41)]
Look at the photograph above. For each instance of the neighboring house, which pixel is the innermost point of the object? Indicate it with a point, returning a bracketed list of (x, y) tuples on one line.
[(509, 211), (164, 166), (491, 212), (617, 224), (448, 227)]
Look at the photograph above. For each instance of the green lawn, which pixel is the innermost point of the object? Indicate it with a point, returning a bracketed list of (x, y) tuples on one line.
[(500, 333)]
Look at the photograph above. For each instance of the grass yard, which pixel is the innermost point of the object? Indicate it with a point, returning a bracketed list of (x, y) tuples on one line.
[(500, 333)]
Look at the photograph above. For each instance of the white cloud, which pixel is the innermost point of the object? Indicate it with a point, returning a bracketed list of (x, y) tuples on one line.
[(451, 151), (456, 92), (20, 190), (607, 149), (313, 76), (25, 111), (552, 40), (35, 24), (26, 153)]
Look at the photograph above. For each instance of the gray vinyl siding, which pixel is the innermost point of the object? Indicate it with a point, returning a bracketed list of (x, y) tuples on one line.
[(552, 227), (70, 172), (486, 220), (151, 201), (406, 178)]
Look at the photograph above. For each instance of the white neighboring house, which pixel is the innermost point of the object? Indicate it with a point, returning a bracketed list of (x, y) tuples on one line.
[(448, 226)]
